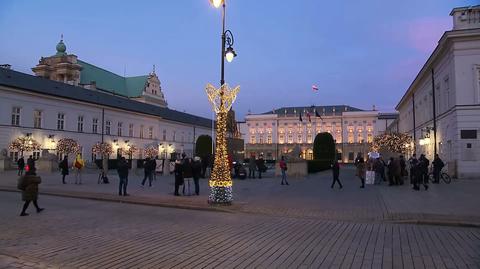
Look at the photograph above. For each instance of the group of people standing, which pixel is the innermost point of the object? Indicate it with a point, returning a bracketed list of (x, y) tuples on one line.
[(77, 166), (256, 165), (187, 168)]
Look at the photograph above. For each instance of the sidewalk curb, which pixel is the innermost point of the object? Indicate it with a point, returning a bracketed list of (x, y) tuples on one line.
[(129, 200), (451, 223)]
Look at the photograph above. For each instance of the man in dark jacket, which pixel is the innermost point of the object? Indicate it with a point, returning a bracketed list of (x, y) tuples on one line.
[(413, 162), (197, 171), (21, 166), (422, 173), (178, 171), (122, 169), (31, 163), (28, 184), (63, 165), (148, 171), (437, 168), (260, 166), (336, 174)]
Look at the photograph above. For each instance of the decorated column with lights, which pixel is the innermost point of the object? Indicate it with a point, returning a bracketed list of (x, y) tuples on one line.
[(221, 180)]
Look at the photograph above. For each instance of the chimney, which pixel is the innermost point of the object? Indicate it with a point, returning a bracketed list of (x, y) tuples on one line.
[(373, 108), (466, 17)]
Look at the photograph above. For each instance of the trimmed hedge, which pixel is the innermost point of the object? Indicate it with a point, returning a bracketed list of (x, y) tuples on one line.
[(314, 166), (324, 147)]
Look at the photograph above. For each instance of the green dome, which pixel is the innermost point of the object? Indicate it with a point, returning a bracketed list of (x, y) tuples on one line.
[(61, 48)]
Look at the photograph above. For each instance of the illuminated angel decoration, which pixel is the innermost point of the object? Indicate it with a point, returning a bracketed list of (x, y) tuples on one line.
[(224, 95)]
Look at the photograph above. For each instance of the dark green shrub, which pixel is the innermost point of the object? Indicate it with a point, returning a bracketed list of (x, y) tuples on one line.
[(314, 166), (324, 147)]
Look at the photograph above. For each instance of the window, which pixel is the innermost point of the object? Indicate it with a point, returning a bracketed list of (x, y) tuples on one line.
[(150, 133), (37, 119), (95, 126), (107, 127), (16, 116), (141, 131), (468, 134), (80, 124), (281, 138), (119, 128), (309, 138), (350, 156), (260, 139), (350, 137), (269, 139), (360, 137), (252, 139), (299, 139), (369, 138), (14, 155), (130, 130), (164, 135), (60, 121), (290, 138), (36, 155)]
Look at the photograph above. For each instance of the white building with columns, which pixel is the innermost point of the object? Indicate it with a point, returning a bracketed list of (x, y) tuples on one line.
[(70, 98), (278, 132), (441, 108)]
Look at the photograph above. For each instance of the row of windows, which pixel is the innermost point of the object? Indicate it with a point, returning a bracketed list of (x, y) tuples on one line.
[(318, 124), (281, 139), (109, 128)]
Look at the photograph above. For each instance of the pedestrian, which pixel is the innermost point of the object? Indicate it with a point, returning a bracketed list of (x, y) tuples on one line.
[(382, 168), (154, 163), (21, 165), (336, 173), (283, 169), (251, 167), (361, 171), (28, 184), (122, 169), (437, 168), (197, 172), (31, 163), (63, 165), (78, 166), (397, 171), (357, 160), (391, 171), (412, 163), (147, 171), (178, 171), (423, 164), (403, 167), (187, 172), (260, 166)]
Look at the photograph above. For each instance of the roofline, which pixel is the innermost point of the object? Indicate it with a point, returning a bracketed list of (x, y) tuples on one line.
[(433, 56), (463, 8), (79, 60)]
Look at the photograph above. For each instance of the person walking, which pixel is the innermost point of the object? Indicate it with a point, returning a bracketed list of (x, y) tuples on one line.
[(403, 169), (251, 166), (147, 171), (260, 166), (21, 166), (78, 166), (437, 168), (122, 169), (283, 169), (391, 171), (357, 160), (197, 172), (423, 164), (397, 171), (361, 171), (412, 162), (336, 174), (63, 165), (178, 171), (28, 184)]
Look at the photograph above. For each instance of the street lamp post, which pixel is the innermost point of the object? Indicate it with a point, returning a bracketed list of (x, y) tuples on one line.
[(222, 99)]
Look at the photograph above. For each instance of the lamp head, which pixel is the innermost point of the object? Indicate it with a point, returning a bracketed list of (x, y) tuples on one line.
[(230, 54), (216, 3)]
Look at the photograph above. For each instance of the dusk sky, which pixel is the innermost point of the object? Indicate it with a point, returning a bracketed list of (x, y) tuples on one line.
[(358, 53)]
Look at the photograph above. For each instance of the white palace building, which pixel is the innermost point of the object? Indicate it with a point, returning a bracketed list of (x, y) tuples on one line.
[(70, 98), (441, 108)]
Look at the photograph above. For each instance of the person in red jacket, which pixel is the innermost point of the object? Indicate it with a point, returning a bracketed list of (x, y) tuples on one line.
[(283, 168)]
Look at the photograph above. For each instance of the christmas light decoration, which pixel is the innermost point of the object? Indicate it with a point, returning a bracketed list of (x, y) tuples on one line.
[(220, 180), (151, 152), (67, 146), (102, 148), (24, 144), (394, 142)]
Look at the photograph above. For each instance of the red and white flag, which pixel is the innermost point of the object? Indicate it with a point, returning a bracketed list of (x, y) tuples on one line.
[(314, 87)]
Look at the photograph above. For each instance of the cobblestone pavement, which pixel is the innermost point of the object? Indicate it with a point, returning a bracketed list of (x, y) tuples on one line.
[(73, 233), (309, 197)]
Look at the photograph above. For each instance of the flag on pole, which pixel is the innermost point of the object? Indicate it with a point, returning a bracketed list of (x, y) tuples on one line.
[(308, 115), (301, 116), (314, 87), (317, 114)]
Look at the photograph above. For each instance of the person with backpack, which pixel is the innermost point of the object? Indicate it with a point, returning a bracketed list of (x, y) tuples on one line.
[(63, 165), (283, 169), (78, 166), (28, 184), (437, 168)]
